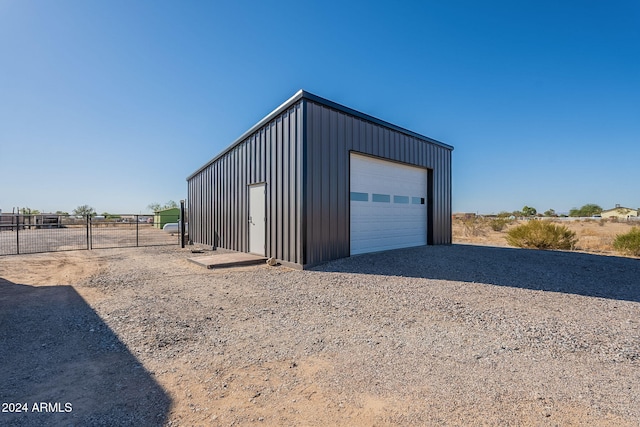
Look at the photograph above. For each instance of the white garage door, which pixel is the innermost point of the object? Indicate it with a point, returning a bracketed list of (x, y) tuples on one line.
[(388, 205)]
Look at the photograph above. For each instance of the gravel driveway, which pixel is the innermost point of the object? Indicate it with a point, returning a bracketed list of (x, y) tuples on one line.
[(440, 335)]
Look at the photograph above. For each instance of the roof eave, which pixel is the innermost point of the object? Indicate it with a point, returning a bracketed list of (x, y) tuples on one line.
[(302, 94)]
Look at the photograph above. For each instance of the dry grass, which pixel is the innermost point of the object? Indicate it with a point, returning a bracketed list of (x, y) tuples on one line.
[(594, 236)]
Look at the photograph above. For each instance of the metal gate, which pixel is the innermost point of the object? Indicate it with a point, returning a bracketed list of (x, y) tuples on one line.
[(24, 234)]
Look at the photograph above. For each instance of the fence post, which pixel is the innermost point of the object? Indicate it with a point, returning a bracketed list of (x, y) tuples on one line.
[(137, 225), (182, 227), (88, 220), (18, 234)]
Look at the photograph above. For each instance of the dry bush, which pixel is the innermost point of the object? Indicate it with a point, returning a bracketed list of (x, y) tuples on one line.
[(499, 224), (628, 243), (475, 226), (542, 235)]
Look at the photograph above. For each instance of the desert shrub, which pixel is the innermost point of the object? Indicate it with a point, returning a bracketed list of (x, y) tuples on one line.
[(541, 235), (498, 224), (628, 242), (474, 226)]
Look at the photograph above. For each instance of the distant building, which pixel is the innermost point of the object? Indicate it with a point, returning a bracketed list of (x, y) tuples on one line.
[(464, 215), (165, 216), (620, 212)]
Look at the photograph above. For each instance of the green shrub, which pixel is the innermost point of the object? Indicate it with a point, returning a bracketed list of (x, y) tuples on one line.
[(629, 242), (540, 234), (498, 224)]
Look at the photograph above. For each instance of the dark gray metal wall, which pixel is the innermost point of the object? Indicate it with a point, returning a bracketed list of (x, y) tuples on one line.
[(218, 192), (301, 152), (331, 135)]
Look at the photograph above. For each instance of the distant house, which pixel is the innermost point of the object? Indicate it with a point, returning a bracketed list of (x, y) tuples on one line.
[(620, 212), (165, 216)]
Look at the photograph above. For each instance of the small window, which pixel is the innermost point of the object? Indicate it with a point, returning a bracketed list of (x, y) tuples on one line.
[(417, 200), (400, 199), (383, 198), (359, 197)]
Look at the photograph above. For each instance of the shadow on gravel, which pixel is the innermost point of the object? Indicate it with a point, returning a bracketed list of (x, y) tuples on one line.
[(569, 272), (62, 365)]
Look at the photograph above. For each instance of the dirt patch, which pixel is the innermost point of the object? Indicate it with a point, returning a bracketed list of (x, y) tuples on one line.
[(61, 268), (450, 335)]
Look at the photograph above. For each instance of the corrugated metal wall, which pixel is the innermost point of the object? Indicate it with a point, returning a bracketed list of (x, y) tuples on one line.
[(218, 194), (330, 136), (302, 154)]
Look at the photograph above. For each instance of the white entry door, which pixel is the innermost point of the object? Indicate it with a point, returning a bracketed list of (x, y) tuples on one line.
[(388, 205), (257, 219)]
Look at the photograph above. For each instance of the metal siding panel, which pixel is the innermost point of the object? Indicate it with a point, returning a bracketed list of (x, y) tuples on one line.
[(203, 183), (229, 225), (279, 222), (402, 156), (393, 143), (332, 235), (229, 221), (342, 160), (365, 137), (325, 206), (277, 186), (260, 163), (220, 208), (292, 188), (192, 211), (224, 196), (301, 181), (386, 141), (269, 172), (233, 206), (252, 160), (203, 180), (315, 200), (355, 134), (232, 177), (307, 207), (273, 220), (217, 206), (372, 132), (243, 243), (286, 193), (208, 204), (410, 155), (240, 201), (198, 214)]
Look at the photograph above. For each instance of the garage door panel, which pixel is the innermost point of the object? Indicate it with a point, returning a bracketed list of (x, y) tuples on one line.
[(388, 209)]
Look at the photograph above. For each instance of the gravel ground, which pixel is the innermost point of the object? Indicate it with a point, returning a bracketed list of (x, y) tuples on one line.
[(441, 335)]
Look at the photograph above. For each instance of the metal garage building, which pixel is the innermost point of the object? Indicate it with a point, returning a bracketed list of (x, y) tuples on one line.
[(315, 181)]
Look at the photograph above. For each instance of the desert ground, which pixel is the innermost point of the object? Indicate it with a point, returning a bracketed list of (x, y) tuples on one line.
[(594, 235), (475, 333)]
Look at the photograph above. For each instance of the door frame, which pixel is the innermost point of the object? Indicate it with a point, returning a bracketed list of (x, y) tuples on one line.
[(250, 219)]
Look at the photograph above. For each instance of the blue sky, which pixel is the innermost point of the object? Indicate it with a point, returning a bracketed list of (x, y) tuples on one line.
[(114, 103)]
